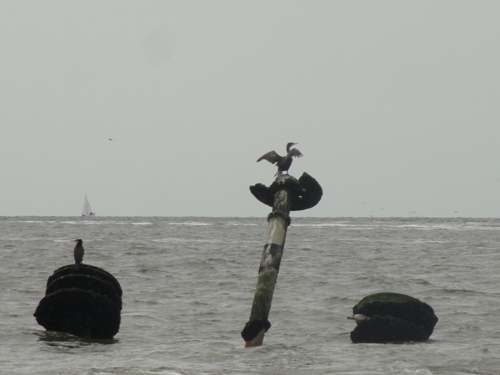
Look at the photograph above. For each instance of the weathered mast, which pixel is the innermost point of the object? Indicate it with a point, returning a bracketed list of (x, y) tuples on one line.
[(284, 195)]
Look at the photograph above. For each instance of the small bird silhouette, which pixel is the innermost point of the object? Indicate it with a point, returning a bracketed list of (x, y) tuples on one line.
[(78, 253)]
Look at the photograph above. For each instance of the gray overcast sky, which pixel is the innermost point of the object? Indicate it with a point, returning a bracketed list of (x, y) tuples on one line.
[(394, 104)]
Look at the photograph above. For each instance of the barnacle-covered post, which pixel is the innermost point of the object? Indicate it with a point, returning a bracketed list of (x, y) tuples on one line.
[(284, 195)]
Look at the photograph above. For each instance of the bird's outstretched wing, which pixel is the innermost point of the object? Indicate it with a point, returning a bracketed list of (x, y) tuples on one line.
[(271, 157), (296, 153)]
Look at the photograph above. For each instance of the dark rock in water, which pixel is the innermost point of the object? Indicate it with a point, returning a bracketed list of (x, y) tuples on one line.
[(393, 317), (84, 301)]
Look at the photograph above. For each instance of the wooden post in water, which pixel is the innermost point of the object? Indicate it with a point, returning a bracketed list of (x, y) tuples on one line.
[(286, 194)]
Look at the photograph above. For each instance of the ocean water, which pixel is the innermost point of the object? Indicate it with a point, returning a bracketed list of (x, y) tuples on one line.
[(188, 286)]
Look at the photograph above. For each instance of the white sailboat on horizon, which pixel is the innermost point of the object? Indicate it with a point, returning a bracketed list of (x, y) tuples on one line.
[(87, 210)]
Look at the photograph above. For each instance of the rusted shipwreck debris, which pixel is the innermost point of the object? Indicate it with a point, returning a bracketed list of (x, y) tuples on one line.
[(85, 301), (392, 318)]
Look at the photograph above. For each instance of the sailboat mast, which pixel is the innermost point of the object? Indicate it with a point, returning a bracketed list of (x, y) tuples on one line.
[(87, 211)]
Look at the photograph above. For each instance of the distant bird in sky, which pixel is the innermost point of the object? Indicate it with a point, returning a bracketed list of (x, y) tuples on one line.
[(110, 139), (283, 162), (78, 253)]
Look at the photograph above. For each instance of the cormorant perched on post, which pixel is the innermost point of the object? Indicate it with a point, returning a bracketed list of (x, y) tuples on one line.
[(283, 162), (78, 253)]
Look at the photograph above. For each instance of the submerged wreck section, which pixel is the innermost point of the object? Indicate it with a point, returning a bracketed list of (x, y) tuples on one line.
[(84, 301), (392, 318)]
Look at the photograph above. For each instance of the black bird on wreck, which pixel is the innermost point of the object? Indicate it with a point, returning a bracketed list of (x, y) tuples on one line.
[(283, 162), (78, 253)]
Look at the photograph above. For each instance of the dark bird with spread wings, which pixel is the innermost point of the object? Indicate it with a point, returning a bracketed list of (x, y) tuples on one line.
[(283, 162)]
